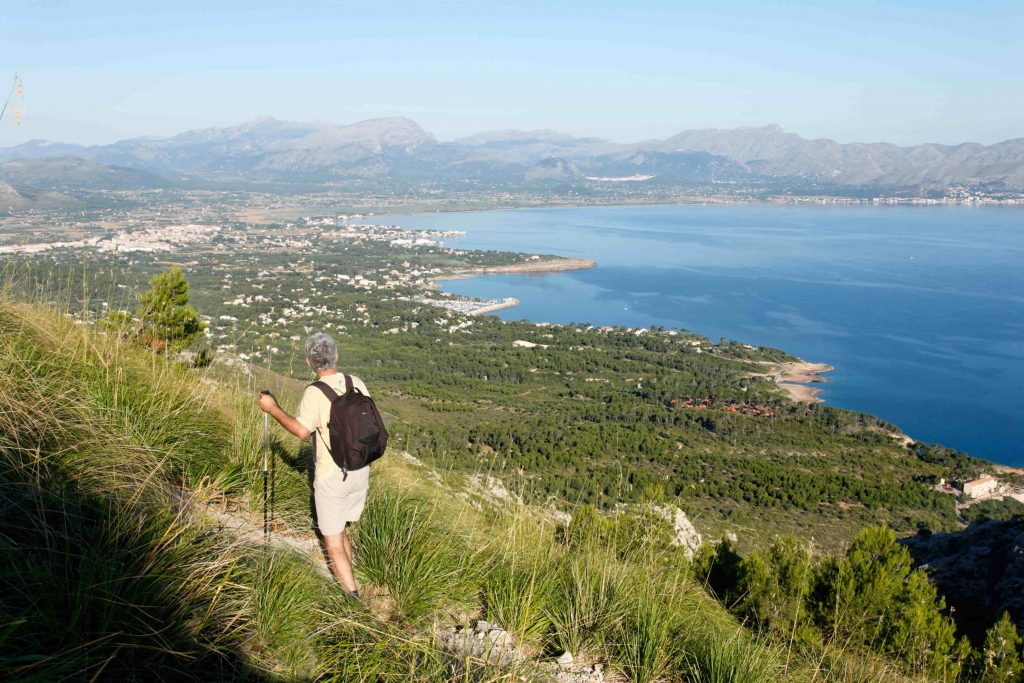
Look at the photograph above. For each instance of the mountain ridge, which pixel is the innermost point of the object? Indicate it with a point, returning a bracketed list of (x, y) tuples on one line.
[(394, 149)]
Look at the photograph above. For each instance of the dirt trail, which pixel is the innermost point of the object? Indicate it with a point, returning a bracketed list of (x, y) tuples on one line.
[(490, 644)]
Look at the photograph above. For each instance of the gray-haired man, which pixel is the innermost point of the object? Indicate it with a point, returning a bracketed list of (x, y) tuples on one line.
[(339, 500)]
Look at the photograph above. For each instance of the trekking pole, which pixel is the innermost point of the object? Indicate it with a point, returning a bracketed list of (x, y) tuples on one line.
[(266, 451)]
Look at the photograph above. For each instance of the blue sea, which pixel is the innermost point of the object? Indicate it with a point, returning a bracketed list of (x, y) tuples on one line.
[(919, 309)]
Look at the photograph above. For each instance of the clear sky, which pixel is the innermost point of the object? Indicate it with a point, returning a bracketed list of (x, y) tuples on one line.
[(859, 70)]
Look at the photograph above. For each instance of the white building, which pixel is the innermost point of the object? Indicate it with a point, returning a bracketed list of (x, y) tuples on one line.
[(980, 487)]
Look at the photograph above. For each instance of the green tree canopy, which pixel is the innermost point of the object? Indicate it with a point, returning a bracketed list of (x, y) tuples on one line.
[(168, 321), (872, 596), (1000, 656)]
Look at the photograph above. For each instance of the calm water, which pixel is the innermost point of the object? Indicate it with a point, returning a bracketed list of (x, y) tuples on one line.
[(920, 309)]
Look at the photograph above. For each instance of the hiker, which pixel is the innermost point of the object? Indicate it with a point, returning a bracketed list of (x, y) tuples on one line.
[(339, 496)]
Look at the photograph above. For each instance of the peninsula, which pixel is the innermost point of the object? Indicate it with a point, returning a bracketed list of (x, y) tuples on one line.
[(537, 264)]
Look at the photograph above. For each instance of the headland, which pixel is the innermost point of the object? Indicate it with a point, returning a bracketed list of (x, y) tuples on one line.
[(537, 265)]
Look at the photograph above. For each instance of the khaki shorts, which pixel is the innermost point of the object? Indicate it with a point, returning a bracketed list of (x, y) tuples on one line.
[(339, 500)]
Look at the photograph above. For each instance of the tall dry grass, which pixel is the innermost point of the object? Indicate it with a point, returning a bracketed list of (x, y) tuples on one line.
[(109, 570)]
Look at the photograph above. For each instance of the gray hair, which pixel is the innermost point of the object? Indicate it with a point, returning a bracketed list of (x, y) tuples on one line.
[(322, 352)]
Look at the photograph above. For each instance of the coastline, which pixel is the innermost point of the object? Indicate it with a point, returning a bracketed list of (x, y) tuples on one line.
[(801, 381), (469, 206), (795, 379), (539, 266), (508, 302)]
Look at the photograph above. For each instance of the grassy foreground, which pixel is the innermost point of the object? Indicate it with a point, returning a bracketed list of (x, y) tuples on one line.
[(114, 565)]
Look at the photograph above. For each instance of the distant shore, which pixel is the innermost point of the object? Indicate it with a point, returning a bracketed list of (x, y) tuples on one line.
[(538, 266), (795, 378), (507, 303), (482, 205), (525, 268)]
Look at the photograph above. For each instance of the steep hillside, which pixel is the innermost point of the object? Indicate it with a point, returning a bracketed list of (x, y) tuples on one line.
[(14, 199), (128, 484), (980, 570), (130, 536)]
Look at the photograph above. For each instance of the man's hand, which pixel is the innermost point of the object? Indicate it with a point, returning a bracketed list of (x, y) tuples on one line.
[(267, 402)]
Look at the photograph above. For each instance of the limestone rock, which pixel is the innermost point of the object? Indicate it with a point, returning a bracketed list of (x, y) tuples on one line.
[(686, 535)]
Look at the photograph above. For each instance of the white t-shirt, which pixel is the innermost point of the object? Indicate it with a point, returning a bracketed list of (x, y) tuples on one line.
[(314, 414)]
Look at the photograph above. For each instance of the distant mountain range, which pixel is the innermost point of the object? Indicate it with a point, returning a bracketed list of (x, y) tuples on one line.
[(397, 152)]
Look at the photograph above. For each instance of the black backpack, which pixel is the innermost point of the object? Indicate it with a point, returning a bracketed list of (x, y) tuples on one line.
[(356, 430)]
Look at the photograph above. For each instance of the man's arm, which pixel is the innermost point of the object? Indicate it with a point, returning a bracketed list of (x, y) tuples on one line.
[(268, 404)]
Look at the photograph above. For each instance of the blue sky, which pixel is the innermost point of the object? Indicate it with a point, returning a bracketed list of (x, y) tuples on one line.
[(867, 71)]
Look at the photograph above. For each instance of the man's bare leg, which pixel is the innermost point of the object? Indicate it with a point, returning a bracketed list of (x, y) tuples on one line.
[(340, 560), (347, 543)]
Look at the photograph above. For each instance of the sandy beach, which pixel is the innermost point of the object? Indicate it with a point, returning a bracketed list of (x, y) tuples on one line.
[(539, 266), (795, 377)]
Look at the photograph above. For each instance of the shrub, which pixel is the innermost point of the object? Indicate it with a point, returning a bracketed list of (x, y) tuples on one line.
[(871, 597), (167, 318)]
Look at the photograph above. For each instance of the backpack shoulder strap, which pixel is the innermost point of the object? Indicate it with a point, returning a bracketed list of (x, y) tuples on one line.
[(349, 387), (328, 392)]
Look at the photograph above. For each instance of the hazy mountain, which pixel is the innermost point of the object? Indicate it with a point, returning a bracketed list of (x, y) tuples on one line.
[(667, 167), (390, 150), (530, 147), (770, 151), (552, 169), (40, 149), (75, 173), (271, 147), (12, 199)]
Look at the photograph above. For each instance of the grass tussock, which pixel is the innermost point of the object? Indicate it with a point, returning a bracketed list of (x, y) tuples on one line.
[(731, 659), (586, 605), (411, 556)]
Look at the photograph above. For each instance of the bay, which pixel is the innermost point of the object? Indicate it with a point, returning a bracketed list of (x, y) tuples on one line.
[(919, 309)]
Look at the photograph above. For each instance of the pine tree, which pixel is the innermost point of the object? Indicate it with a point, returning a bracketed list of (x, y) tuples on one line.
[(874, 597), (1000, 656), (169, 323)]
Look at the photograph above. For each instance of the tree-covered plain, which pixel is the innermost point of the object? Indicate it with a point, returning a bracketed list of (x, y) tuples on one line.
[(586, 416)]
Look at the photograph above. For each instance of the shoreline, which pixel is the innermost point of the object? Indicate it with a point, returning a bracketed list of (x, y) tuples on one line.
[(717, 200), (539, 266), (555, 265), (774, 200), (796, 377), (508, 302)]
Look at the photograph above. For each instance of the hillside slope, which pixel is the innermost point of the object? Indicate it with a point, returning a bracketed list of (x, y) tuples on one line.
[(119, 470)]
